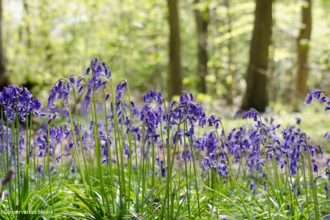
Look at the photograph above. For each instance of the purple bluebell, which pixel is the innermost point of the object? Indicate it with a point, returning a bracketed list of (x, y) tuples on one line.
[(51, 117), (319, 95), (326, 188), (154, 95), (40, 170)]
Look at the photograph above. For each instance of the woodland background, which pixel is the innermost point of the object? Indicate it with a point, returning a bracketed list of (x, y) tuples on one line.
[(230, 52)]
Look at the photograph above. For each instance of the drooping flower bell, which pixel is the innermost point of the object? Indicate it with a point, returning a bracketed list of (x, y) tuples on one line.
[(319, 95), (154, 95)]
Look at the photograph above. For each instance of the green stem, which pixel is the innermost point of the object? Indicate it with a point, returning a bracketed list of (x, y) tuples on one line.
[(311, 179), (186, 169), (7, 134), (76, 147), (171, 168), (130, 141), (98, 152), (153, 181), (62, 160), (3, 165), (109, 151), (18, 160), (115, 131), (81, 141), (247, 213), (143, 161), (266, 168), (122, 151), (294, 190), (195, 174), (50, 184)]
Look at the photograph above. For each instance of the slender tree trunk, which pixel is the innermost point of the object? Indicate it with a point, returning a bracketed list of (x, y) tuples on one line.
[(30, 82), (302, 51), (230, 56), (27, 23), (3, 70), (174, 66), (256, 92), (202, 20), (45, 34)]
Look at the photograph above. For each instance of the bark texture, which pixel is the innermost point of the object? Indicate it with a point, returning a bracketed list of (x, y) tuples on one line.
[(302, 51), (3, 70), (174, 66), (230, 56), (202, 20), (256, 91)]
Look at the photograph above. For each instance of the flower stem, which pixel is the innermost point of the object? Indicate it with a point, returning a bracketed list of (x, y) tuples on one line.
[(312, 182), (50, 184)]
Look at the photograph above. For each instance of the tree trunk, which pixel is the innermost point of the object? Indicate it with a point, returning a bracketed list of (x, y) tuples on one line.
[(302, 51), (202, 19), (27, 21), (174, 66), (230, 56), (30, 82), (45, 34), (3, 70), (256, 91)]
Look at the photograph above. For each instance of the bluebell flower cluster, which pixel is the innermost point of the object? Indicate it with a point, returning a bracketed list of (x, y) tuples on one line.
[(60, 91), (154, 95), (123, 133), (319, 95), (18, 99), (17, 108)]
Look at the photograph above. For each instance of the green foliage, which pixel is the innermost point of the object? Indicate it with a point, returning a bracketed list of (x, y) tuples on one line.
[(48, 39)]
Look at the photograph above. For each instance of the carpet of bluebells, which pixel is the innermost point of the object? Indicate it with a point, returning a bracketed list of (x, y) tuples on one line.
[(105, 157)]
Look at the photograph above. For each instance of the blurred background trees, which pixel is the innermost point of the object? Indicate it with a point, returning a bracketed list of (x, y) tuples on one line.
[(302, 50), (256, 95), (201, 17), (3, 69), (224, 51), (174, 78)]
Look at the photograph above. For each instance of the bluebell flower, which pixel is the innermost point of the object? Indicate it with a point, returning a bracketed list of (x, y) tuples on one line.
[(72, 80), (107, 97), (40, 170), (250, 114), (121, 86), (188, 154), (214, 121), (51, 117), (319, 95), (119, 96), (162, 168), (154, 95), (326, 188), (207, 162), (58, 158), (315, 167), (238, 113), (253, 184), (87, 99)]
